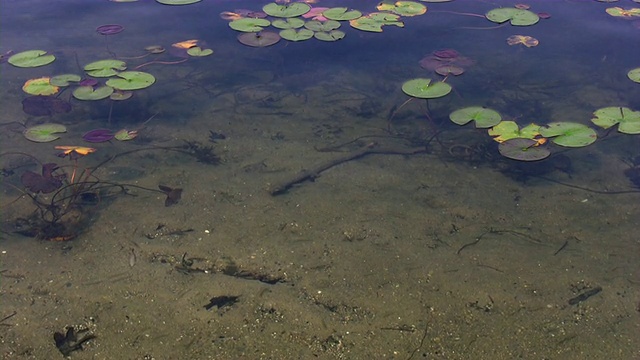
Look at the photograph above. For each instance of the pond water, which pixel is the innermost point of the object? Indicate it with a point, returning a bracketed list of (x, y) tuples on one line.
[(323, 212)]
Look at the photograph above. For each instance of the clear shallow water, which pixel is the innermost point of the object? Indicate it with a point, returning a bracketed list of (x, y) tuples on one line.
[(374, 256)]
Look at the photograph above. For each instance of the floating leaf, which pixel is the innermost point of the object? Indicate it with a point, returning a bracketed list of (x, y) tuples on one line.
[(483, 117), (628, 120), (333, 35), (286, 10), (44, 132), (403, 8), (375, 21), (125, 135), (299, 35), (63, 80), (119, 95), (40, 86), (289, 23), (89, 93), (518, 17), (634, 75), (527, 41), (105, 68), (109, 29), (507, 130), (259, 39), (187, 44), (131, 80), (341, 13), (198, 51), (426, 88), (316, 25), (31, 58), (249, 25), (523, 150), (625, 13), (569, 134), (98, 135), (445, 70), (177, 2)]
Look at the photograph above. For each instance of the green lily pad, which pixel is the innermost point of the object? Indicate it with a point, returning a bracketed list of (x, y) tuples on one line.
[(402, 8), (299, 35), (177, 2), (523, 150), (198, 51), (31, 58), (40, 86), (132, 80), (289, 23), (249, 24), (628, 120), (375, 21), (507, 130), (484, 118), (569, 134), (518, 17), (125, 135), (341, 14), (426, 88), (89, 93), (634, 75), (64, 80), (333, 35), (624, 13), (316, 25), (44, 132), (105, 68), (286, 10)]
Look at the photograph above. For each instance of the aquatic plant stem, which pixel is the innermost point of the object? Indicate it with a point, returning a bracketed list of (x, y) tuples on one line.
[(160, 62)]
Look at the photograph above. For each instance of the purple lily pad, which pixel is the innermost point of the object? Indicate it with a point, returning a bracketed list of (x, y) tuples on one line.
[(98, 135), (44, 105), (109, 29), (45, 183), (88, 82), (544, 15), (446, 54)]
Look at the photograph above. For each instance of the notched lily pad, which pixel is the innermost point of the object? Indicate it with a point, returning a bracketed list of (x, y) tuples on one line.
[(44, 132), (64, 80), (628, 120), (131, 80), (402, 8), (316, 25), (40, 86), (569, 134), (333, 35), (517, 17), (375, 21), (249, 24), (105, 68), (289, 23), (426, 88), (296, 35), (341, 14), (31, 58), (634, 75), (197, 51), (483, 117), (286, 10), (507, 130), (523, 150), (91, 93), (259, 39)]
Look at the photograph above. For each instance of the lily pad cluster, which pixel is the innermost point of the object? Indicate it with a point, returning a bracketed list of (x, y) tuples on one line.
[(49, 132), (291, 21), (446, 62)]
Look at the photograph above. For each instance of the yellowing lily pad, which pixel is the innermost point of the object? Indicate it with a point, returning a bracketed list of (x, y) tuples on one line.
[(44, 132), (132, 80), (625, 13), (517, 17), (40, 86), (105, 68), (506, 130), (527, 41), (31, 58), (569, 134), (628, 120), (89, 93), (483, 117), (426, 88)]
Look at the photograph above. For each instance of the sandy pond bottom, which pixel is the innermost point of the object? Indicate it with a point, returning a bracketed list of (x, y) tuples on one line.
[(378, 258)]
